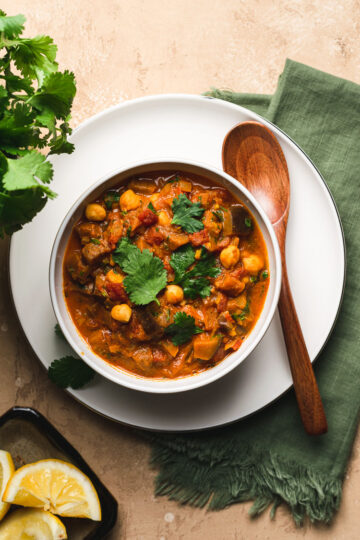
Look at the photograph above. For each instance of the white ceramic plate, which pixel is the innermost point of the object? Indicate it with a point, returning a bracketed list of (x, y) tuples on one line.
[(190, 128)]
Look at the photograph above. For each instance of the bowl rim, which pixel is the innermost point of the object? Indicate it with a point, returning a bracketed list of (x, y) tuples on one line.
[(134, 381)]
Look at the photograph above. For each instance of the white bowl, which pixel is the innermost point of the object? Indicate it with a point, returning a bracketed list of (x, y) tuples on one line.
[(119, 375)]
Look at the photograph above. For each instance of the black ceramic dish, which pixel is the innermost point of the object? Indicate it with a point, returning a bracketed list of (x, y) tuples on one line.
[(28, 436)]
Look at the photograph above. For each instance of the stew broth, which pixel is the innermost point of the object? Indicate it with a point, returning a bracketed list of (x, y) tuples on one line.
[(221, 291)]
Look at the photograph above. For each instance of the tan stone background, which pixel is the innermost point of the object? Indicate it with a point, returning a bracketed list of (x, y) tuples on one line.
[(121, 49)]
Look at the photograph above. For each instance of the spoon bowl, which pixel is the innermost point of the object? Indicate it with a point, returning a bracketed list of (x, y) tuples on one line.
[(264, 172)]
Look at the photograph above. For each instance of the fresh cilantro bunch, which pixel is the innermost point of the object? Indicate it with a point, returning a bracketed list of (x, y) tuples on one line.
[(35, 105), (182, 329), (187, 214), (194, 282), (146, 275)]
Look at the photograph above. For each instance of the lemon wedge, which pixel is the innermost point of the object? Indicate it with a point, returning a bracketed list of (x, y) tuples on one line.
[(6, 471), (54, 485), (31, 524)]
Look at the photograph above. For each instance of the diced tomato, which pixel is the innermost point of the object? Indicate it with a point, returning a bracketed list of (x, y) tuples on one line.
[(199, 238), (152, 236), (237, 344), (116, 292), (222, 244), (147, 217), (166, 261), (222, 303), (115, 228), (239, 272)]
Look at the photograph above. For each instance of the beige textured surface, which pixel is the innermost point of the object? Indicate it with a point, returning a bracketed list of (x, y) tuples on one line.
[(121, 49)]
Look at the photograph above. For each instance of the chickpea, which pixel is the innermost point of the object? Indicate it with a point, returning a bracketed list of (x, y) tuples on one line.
[(229, 256), (121, 313), (129, 200), (253, 263), (114, 277), (174, 294), (95, 212), (164, 219)]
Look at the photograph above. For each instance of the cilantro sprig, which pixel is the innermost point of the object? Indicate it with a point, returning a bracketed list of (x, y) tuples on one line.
[(182, 329), (195, 281), (187, 214), (70, 371), (146, 275), (35, 105)]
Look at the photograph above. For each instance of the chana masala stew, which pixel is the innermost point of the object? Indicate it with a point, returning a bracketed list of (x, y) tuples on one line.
[(166, 275)]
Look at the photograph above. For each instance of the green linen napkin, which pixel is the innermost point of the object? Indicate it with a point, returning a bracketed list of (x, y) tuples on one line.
[(268, 458)]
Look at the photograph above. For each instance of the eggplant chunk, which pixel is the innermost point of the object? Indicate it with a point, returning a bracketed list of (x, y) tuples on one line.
[(242, 221), (148, 322)]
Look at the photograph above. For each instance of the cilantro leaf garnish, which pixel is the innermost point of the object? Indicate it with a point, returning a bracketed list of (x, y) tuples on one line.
[(123, 249), (196, 287), (146, 275), (70, 371), (187, 214), (248, 222), (182, 329), (195, 281), (35, 102), (265, 274), (180, 261)]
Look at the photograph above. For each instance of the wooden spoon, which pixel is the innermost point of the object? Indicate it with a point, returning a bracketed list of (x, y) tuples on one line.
[(252, 155)]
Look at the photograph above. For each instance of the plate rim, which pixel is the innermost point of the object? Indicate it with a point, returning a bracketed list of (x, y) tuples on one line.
[(190, 97)]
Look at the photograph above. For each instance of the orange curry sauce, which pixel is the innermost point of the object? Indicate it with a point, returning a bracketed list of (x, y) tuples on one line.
[(93, 282)]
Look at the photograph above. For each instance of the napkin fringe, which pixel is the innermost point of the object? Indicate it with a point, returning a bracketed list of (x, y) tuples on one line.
[(267, 479)]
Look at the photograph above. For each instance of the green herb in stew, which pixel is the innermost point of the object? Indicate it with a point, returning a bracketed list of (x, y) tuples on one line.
[(194, 282), (182, 329), (187, 214), (110, 198), (146, 275), (151, 207)]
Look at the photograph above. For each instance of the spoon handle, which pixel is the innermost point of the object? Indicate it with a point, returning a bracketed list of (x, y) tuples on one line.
[(305, 385)]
